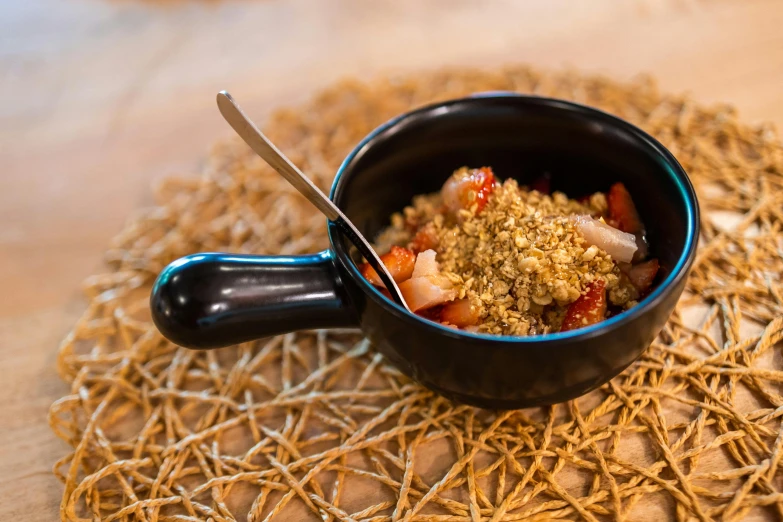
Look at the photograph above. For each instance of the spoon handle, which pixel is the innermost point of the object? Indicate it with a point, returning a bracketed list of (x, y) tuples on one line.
[(272, 155), (278, 161)]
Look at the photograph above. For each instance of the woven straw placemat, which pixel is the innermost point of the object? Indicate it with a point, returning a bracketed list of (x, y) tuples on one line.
[(316, 426)]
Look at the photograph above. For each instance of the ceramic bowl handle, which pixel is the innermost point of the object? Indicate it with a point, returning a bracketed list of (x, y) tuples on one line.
[(214, 300)]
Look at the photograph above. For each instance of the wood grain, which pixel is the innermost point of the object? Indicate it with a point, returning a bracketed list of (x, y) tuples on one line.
[(101, 97)]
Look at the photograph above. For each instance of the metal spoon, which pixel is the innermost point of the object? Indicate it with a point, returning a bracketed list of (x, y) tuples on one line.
[(277, 160)]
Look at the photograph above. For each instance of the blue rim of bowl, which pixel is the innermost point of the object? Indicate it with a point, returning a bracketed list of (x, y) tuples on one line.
[(672, 167)]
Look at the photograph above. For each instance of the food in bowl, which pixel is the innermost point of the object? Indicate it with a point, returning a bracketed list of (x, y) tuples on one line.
[(505, 259)]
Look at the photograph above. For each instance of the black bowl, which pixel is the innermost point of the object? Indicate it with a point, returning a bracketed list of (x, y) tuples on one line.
[(213, 300)]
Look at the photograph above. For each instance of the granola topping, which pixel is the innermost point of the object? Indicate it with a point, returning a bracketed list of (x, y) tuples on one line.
[(518, 256)]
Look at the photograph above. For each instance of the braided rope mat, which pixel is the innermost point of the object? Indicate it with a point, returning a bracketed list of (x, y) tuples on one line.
[(315, 425)]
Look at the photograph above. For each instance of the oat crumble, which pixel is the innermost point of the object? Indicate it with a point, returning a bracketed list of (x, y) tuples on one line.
[(520, 260)]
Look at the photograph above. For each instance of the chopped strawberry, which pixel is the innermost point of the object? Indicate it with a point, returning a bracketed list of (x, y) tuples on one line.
[(426, 264), (460, 313), (425, 292), (618, 244), (622, 211), (425, 239), (542, 184), (427, 287), (642, 275), (589, 309), (399, 261), (468, 186)]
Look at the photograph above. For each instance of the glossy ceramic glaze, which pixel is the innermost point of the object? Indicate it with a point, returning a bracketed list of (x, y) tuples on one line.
[(213, 300)]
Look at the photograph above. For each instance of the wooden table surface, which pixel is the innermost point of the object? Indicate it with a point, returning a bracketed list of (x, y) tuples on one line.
[(100, 97)]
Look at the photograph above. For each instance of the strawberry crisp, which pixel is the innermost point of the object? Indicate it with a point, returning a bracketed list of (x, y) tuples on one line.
[(501, 258)]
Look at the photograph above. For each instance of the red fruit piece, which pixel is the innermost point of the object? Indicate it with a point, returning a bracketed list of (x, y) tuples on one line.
[(466, 187), (618, 244), (460, 313), (642, 275), (622, 211), (421, 293), (589, 309), (484, 183), (400, 262), (425, 239)]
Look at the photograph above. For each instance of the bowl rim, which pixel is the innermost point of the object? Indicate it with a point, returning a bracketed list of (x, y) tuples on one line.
[(673, 168)]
